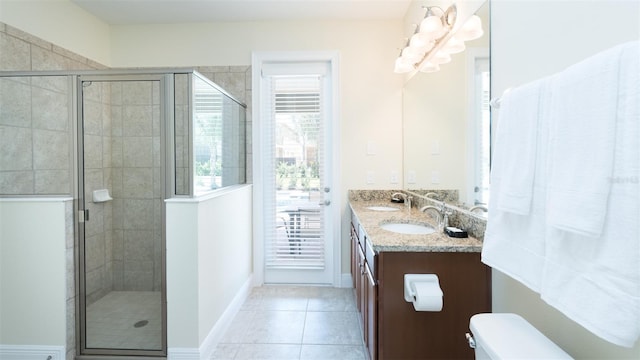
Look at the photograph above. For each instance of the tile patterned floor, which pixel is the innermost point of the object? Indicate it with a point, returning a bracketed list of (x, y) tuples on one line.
[(297, 323)]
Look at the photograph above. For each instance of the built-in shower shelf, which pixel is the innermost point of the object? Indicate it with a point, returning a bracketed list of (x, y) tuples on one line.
[(101, 195)]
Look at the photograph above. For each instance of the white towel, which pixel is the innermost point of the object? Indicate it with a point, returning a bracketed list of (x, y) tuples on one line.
[(513, 242), (583, 110), (596, 282), (517, 133)]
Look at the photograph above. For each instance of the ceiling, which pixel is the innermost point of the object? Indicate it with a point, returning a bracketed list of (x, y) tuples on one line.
[(128, 12)]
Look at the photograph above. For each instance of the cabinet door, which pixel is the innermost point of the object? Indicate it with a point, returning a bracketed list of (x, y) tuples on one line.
[(404, 333), (361, 280), (371, 316), (354, 251)]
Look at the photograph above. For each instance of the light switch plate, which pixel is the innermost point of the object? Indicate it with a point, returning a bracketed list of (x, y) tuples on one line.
[(435, 147), (435, 177), (411, 177), (371, 148)]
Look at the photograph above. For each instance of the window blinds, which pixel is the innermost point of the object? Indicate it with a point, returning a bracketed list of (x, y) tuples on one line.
[(294, 219)]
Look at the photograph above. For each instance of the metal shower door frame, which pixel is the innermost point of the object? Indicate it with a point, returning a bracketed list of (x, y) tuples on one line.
[(165, 80)]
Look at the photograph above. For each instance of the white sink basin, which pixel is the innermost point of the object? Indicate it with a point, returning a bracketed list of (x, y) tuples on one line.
[(413, 229), (383, 208)]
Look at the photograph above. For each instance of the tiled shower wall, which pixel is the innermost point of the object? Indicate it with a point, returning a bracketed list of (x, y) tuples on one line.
[(36, 144), (97, 175), (137, 192)]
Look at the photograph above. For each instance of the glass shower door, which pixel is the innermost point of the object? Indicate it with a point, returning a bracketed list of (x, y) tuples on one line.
[(122, 291)]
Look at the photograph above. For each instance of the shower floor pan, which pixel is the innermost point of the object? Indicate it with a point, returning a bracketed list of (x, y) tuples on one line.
[(125, 320)]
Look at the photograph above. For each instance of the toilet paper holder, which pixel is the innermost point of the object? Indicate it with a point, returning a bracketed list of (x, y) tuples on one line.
[(431, 297)]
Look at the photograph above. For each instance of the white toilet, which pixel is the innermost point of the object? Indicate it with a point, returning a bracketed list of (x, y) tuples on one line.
[(509, 336)]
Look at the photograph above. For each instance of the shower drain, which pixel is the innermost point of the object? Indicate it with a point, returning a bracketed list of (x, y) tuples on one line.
[(140, 323)]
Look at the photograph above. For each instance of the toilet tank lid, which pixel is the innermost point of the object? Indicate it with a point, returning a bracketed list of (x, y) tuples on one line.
[(509, 336)]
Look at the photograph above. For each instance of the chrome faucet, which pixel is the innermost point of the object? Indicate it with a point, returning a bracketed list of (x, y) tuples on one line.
[(430, 194), (395, 197), (407, 199), (479, 207), (437, 212), (442, 214)]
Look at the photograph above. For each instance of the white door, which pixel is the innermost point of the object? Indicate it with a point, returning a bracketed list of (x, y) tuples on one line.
[(295, 162)]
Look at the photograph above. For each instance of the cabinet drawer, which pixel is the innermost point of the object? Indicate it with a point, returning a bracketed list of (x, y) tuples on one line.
[(370, 255)]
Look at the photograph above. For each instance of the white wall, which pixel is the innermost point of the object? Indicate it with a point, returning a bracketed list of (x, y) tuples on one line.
[(33, 305), (529, 40), (62, 23), (208, 262)]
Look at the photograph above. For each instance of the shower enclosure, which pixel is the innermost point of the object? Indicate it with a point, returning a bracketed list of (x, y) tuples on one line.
[(121, 191), (122, 142)]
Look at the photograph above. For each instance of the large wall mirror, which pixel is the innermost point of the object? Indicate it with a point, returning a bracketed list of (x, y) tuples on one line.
[(446, 122)]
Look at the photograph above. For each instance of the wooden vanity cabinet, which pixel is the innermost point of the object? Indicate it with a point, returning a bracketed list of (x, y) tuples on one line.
[(404, 333), (392, 329)]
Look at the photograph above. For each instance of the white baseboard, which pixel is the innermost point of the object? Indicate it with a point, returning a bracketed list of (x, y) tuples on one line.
[(183, 354), (208, 346), (32, 352)]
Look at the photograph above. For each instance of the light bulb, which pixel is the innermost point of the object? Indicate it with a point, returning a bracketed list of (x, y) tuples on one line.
[(471, 30), (441, 57), (402, 66), (431, 25), (412, 54), (429, 67), (419, 41), (454, 46)]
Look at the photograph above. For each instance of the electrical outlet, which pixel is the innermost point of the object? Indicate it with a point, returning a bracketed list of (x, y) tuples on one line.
[(370, 177), (411, 177), (394, 177)]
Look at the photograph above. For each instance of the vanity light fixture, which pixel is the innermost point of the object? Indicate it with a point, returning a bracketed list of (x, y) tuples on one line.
[(433, 42)]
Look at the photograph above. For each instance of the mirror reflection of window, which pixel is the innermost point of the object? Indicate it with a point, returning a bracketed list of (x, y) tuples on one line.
[(482, 131)]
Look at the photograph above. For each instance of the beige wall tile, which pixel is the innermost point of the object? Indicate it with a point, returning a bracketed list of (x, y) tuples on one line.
[(15, 54), (138, 214), (51, 110), (137, 151), (93, 152), (16, 182), (53, 182), (15, 103), (137, 183), (51, 150), (15, 148), (137, 93), (137, 120), (28, 38)]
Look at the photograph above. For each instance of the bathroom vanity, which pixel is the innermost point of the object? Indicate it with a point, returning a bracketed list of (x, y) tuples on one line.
[(392, 328)]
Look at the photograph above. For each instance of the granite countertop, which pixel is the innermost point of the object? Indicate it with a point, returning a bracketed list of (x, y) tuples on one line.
[(383, 240)]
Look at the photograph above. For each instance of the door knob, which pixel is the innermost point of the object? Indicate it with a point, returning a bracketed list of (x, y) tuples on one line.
[(325, 203), (327, 189)]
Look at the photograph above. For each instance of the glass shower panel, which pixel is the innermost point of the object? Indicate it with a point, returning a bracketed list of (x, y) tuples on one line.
[(181, 132), (218, 138), (123, 231), (210, 143)]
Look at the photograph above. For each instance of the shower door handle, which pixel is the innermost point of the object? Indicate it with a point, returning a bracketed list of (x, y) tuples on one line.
[(83, 215)]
